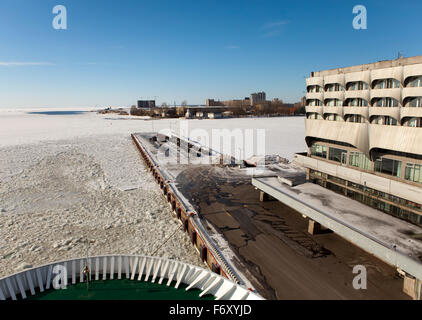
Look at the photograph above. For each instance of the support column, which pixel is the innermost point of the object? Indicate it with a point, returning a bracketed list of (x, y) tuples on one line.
[(263, 196), (412, 287), (314, 227)]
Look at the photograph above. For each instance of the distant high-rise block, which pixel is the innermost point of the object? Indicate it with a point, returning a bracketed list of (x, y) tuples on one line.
[(257, 97), (146, 104), (213, 103)]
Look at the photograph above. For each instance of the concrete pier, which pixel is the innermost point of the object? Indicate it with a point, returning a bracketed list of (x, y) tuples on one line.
[(359, 226), (314, 227), (412, 287), (263, 196)]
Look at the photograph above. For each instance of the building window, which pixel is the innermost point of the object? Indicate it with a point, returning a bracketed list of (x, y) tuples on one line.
[(333, 117), (356, 118), (333, 103), (384, 120), (315, 89), (334, 87), (319, 151), (386, 102), (390, 121), (314, 103), (336, 180), (377, 120), (388, 166), (386, 84), (316, 173), (358, 85), (415, 102), (359, 160), (413, 172), (357, 102), (313, 115), (415, 82), (337, 155), (414, 122)]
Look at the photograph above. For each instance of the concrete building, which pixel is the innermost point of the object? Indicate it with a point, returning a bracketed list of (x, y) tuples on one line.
[(204, 112), (364, 134), (214, 103), (215, 115), (146, 104), (257, 97), (363, 163), (239, 103)]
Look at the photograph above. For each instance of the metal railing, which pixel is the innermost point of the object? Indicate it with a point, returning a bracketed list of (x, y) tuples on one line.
[(114, 267)]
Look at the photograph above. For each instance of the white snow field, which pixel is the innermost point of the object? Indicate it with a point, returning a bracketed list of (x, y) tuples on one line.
[(65, 178)]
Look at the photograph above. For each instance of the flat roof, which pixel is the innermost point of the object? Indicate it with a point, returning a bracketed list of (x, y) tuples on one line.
[(380, 225), (372, 230), (370, 66)]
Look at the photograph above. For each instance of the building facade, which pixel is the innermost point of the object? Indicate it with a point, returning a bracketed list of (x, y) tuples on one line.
[(146, 104), (257, 97), (213, 103), (364, 134)]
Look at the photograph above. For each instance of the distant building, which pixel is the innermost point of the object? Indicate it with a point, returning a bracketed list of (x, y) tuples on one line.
[(257, 97), (214, 103), (146, 104), (204, 112), (215, 115), (236, 103), (303, 101)]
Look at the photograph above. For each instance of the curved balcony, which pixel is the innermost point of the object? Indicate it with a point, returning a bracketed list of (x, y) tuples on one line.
[(314, 109), (314, 81), (395, 138), (355, 134), (411, 92), (386, 93), (335, 78), (413, 70), (407, 112), (363, 94), (363, 111), (384, 111), (315, 95), (334, 95), (387, 73), (364, 76), (333, 110)]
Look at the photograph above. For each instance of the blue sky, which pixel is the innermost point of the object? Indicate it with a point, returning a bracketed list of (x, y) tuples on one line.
[(115, 52)]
